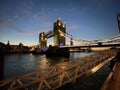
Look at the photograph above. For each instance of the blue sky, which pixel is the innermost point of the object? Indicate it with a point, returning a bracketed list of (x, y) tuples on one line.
[(23, 20)]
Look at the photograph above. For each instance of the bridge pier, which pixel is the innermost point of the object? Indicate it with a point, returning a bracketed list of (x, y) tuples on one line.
[(54, 51)]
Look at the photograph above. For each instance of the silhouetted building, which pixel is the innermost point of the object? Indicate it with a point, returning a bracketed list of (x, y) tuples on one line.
[(21, 45), (8, 47)]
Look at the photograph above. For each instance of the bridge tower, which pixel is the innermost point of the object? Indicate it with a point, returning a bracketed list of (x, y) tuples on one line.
[(59, 39), (71, 41), (42, 40)]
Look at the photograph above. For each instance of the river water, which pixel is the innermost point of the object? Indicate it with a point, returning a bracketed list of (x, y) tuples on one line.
[(18, 64)]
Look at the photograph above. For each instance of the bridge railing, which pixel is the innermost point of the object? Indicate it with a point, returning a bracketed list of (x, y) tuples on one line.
[(58, 75)]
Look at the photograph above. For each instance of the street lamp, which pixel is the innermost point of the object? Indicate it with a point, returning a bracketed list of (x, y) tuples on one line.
[(118, 19)]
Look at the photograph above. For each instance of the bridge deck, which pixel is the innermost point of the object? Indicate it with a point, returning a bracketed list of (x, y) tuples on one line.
[(113, 80)]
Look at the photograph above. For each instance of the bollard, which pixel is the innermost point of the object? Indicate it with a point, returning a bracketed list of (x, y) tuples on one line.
[(2, 57)]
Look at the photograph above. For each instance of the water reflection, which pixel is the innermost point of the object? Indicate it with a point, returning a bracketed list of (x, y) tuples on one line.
[(76, 55), (43, 62)]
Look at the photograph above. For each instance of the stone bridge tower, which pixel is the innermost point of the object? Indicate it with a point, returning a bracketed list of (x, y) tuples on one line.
[(59, 38), (58, 33), (42, 40)]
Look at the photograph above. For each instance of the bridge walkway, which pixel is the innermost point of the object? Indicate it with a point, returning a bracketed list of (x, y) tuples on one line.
[(60, 74)]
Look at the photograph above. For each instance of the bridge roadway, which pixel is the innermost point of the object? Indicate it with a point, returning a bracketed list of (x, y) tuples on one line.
[(60, 74), (84, 46)]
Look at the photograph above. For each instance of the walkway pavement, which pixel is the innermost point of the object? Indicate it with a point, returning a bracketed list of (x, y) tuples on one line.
[(113, 80)]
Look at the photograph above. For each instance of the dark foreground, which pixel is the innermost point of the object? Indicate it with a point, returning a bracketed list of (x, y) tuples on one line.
[(92, 82), (113, 80)]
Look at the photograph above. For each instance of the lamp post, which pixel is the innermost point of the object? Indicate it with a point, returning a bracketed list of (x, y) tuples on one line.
[(118, 19)]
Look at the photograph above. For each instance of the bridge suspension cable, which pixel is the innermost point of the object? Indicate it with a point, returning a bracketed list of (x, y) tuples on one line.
[(112, 40), (79, 41)]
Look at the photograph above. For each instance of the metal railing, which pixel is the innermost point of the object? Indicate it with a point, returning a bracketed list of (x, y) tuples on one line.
[(58, 75)]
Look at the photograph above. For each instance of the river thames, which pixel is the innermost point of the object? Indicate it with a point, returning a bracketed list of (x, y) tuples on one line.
[(18, 64)]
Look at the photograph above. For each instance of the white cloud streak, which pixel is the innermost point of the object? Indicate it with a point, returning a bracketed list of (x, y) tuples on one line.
[(73, 27), (11, 26)]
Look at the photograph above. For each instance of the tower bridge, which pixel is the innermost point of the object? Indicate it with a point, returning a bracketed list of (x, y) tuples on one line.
[(60, 35), (58, 38)]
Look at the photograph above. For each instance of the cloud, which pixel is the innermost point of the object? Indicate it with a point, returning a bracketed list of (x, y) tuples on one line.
[(31, 32), (40, 17), (9, 25), (73, 27)]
